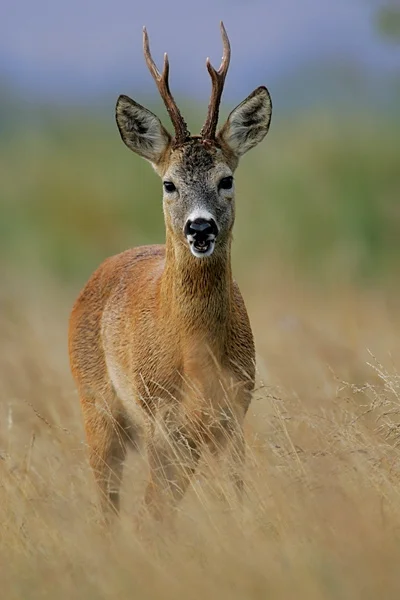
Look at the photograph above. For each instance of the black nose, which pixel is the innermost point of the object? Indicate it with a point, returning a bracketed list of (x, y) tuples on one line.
[(201, 228)]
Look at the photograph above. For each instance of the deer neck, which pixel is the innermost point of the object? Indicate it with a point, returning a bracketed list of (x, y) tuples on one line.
[(198, 292)]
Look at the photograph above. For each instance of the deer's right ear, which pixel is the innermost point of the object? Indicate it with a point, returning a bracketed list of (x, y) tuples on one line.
[(141, 130)]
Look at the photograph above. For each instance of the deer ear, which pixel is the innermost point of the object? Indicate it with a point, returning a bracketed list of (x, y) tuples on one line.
[(248, 123), (141, 130)]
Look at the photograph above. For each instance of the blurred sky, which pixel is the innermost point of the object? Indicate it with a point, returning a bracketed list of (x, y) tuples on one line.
[(75, 49)]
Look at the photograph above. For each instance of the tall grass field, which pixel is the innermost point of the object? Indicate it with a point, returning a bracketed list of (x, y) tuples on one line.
[(317, 256)]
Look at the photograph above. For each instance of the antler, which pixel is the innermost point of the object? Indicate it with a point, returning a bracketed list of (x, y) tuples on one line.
[(181, 130), (218, 80)]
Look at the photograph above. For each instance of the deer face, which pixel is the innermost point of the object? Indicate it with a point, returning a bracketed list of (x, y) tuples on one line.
[(197, 172), (198, 197)]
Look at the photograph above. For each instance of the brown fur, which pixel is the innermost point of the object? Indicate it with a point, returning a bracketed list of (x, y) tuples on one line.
[(182, 340)]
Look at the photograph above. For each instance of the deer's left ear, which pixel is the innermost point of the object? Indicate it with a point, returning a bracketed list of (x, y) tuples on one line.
[(248, 123)]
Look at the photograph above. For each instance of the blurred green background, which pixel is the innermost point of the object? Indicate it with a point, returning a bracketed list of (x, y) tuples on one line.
[(321, 193), (322, 190)]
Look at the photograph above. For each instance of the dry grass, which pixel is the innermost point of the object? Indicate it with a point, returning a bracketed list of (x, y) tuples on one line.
[(322, 515)]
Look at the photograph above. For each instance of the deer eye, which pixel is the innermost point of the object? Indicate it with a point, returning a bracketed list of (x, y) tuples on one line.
[(226, 183), (169, 186)]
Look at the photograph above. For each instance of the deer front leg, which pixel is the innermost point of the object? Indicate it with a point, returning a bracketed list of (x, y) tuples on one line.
[(230, 441), (106, 440), (237, 442), (173, 454), (237, 460)]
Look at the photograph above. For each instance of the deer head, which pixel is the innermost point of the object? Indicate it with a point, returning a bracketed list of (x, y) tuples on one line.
[(197, 171)]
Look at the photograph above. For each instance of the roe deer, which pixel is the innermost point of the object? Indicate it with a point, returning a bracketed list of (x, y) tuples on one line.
[(160, 342)]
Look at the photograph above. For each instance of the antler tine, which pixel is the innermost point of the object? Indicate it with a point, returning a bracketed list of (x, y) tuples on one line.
[(218, 80), (181, 130)]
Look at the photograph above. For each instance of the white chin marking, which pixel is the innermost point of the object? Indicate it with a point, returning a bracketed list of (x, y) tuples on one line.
[(208, 252)]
